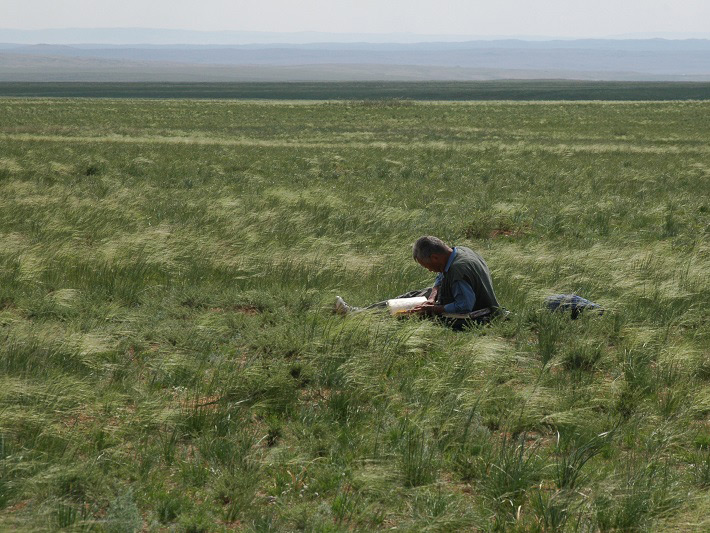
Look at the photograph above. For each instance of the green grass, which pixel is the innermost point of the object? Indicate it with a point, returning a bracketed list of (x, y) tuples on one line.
[(427, 90), (168, 359)]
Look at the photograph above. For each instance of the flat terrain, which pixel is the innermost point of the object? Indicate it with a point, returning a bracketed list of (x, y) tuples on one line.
[(426, 90), (169, 361)]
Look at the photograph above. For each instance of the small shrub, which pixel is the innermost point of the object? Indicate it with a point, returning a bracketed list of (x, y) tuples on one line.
[(93, 168), (123, 515)]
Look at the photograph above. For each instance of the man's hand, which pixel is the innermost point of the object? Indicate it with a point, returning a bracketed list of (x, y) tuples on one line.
[(427, 308), (433, 295)]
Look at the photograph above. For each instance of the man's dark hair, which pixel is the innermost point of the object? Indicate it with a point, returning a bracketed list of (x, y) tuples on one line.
[(426, 246)]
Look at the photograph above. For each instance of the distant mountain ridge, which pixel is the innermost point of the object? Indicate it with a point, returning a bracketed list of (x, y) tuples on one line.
[(159, 36), (174, 36), (584, 59), (594, 44)]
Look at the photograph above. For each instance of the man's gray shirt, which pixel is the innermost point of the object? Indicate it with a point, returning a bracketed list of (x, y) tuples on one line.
[(470, 267)]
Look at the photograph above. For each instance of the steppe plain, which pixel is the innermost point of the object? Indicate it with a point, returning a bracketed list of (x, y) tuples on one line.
[(169, 359)]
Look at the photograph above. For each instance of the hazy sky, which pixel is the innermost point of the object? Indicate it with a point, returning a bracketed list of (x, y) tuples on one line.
[(559, 18)]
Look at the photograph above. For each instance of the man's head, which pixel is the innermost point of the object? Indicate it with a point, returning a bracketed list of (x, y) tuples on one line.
[(431, 253)]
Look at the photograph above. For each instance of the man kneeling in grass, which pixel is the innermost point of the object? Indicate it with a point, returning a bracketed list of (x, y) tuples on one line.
[(462, 291)]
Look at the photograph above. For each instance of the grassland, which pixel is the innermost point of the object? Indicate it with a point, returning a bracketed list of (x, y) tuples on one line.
[(168, 359), (429, 90)]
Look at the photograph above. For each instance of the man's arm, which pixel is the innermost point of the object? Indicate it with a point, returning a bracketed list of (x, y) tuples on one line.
[(435, 288), (434, 294), (464, 298)]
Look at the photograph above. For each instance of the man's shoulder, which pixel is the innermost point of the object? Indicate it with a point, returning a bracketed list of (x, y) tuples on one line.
[(465, 249), (467, 255), (468, 262)]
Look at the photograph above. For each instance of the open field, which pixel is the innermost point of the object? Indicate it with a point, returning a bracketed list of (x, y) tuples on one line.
[(168, 359), (426, 90)]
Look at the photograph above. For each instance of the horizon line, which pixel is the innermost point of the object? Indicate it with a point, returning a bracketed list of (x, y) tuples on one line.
[(649, 35)]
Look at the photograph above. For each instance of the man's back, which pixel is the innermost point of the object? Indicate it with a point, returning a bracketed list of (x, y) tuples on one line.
[(470, 267)]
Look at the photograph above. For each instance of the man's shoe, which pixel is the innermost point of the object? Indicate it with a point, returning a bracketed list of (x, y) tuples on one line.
[(341, 308)]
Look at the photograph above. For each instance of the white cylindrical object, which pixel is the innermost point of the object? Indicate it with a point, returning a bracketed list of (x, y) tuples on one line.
[(400, 305)]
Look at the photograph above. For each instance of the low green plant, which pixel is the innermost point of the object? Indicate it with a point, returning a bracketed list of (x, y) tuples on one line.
[(508, 472), (552, 509), (419, 460), (699, 465), (573, 453), (123, 515)]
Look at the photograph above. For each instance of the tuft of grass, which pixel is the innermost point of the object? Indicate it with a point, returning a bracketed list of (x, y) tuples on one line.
[(508, 472), (550, 330), (419, 460), (699, 465), (552, 509), (582, 357), (573, 453)]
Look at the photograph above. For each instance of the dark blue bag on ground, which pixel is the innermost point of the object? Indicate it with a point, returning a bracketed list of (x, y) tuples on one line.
[(572, 303)]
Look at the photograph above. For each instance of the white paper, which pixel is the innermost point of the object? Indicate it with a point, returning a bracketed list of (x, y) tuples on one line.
[(400, 305)]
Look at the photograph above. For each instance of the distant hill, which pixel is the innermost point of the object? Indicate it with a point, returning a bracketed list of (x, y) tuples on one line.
[(159, 36), (587, 59)]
